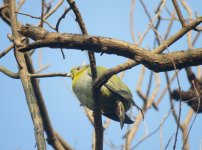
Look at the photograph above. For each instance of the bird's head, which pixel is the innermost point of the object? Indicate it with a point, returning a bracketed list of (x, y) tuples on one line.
[(77, 71)]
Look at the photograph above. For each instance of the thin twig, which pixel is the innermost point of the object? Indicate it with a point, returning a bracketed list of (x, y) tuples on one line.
[(132, 8), (189, 34), (8, 49), (169, 142), (165, 89), (42, 68), (179, 13), (169, 26), (65, 145), (60, 19), (37, 18), (152, 21), (196, 38), (89, 115), (48, 75), (42, 12), (9, 73), (53, 10), (145, 138), (57, 26), (177, 35), (20, 3)]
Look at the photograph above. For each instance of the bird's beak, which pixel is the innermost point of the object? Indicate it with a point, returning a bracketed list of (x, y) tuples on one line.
[(69, 75)]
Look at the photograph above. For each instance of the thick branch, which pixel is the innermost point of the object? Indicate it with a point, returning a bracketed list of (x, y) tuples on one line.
[(26, 81), (52, 138), (155, 62)]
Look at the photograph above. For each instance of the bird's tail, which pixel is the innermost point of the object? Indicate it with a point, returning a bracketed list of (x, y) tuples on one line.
[(128, 120), (116, 118)]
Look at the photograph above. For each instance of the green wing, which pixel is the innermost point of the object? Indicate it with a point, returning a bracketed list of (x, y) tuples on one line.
[(116, 86)]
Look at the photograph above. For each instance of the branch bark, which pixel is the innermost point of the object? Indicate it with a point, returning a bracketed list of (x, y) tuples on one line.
[(52, 138), (26, 81), (151, 60), (9, 73)]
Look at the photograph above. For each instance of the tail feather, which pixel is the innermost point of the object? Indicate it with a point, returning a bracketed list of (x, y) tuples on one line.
[(128, 120), (116, 118)]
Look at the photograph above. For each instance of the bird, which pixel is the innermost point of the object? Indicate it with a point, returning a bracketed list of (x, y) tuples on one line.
[(115, 97)]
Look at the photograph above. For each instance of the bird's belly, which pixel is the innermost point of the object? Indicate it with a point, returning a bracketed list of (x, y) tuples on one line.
[(84, 94)]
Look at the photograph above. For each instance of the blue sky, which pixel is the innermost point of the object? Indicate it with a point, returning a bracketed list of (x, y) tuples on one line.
[(102, 18)]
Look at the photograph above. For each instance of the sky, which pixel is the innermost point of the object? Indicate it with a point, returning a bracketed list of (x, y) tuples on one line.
[(102, 18)]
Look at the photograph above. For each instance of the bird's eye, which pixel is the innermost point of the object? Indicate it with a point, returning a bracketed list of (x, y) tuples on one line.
[(78, 68)]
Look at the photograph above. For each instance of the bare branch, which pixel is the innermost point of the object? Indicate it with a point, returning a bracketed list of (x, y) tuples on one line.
[(165, 90), (132, 8), (89, 115), (42, 12), (26, 82), (54, 9), (42, 68), (169, 26), (9, 73), (179, 13), (162, 5), (96, 109), (178, 35), (6, 50), (155, 62), (60, 19), (48, 75), (4, 13), (64, 144), (196, 38), (20, 3), (43, 20), (189, 34), (52, 138)]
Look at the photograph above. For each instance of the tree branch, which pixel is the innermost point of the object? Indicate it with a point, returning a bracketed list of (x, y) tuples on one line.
[(48, 75), (26, 81), (178, 35), (96, 104), (155, 62), (9, 73), (179, 13), (8, 49)]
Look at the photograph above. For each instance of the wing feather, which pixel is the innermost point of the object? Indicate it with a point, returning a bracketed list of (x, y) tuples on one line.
[(116, 86)]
